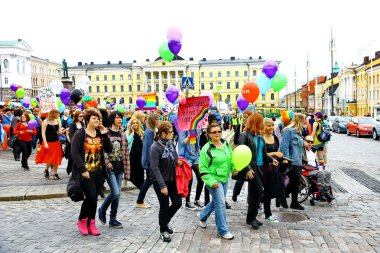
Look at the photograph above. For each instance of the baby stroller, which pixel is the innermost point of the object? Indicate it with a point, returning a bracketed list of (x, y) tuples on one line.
[(309, 186)]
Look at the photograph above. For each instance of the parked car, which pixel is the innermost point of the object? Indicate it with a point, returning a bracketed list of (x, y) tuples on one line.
[(360, 126), (340, 124), (376, 129), (330, 120)]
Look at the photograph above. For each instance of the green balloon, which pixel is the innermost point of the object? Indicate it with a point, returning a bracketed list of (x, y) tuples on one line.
[(33, 102), (165, 52), (31, 116), (279, 81), (241, 157), (120, 108), (20, 92)]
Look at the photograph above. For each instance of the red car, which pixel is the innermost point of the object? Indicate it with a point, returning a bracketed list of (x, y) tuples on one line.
[(360, 126)]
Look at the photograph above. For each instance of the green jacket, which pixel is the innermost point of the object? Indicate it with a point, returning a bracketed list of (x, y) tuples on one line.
[(221, 165)]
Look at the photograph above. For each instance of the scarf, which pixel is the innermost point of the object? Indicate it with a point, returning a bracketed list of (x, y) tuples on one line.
[(169, 150)]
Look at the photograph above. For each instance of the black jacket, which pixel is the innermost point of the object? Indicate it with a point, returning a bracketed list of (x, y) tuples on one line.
[(78, 151)]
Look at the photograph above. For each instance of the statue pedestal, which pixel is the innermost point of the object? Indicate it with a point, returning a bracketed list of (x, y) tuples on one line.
[(67, 83)]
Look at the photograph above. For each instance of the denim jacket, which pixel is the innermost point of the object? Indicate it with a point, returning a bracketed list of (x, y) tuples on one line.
[(292, 146)]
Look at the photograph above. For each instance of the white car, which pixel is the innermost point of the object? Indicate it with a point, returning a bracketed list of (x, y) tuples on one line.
[(376, 129)]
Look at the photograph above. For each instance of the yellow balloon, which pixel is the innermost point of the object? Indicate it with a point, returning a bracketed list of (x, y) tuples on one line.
[(241, 157)]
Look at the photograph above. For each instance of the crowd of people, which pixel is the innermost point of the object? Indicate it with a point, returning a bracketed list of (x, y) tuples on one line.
[(146, 148)]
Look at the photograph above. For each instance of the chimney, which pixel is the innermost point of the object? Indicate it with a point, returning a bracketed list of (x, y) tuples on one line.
[(377, 54), (250, 57), (204, 59), (147, 60), (259, 57), (232, 58), (191, 59), (85, 63), (134, 61), (108, 62), (120, 62), (79, 63), (92, 63), (366, 59), (19, 39)]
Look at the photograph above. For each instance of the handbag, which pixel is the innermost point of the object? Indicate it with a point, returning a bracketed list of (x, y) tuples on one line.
[(14, 141), (274, 183), (74, 188)]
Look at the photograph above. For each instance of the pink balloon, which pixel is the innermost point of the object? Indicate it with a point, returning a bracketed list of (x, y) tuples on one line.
[(174, 31), (209, 94)]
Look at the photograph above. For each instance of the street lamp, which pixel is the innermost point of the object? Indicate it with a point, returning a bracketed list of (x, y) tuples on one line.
[(332, 50), (307, 82)]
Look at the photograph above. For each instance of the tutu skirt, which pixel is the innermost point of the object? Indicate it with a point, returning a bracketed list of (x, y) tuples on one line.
[(52, 155)]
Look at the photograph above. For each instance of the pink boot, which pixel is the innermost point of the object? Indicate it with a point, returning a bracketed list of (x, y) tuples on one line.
[(92, 228), (82, 226)]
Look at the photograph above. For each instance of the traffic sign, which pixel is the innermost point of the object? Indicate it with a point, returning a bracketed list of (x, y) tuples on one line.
[(187, 83)]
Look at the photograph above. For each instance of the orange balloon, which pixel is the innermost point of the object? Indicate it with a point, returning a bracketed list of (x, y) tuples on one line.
[(250, 91), (7, 129)]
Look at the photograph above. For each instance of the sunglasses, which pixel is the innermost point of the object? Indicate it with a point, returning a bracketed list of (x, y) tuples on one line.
[(311, 142), (216, 132)]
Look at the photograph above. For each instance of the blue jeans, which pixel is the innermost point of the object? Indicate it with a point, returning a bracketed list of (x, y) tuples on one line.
[(114, 180), (144, 188), (218, 204)]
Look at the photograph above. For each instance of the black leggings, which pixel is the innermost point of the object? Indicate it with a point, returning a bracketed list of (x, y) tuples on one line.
[(26, 150), (91, 188), (294, 180), (200, 183), (255, 192)]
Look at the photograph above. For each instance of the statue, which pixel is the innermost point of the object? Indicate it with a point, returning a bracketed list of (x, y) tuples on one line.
[(65, 71)]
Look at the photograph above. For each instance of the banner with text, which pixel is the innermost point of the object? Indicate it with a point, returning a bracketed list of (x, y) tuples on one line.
[(191, 112), (48, 100)]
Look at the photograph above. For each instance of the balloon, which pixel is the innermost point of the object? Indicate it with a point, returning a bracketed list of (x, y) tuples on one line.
[(19, 87), (103, 102), (7, 129), (32, 124), (264, 83), (132, 107), (76, 95), (80, 106), (172, 93), (87, 98), (175, 45), (242, 103), (250, 91), (31, 116), (38, 99), (279, 81), (13, 87), (209, 94), (140, 102), (174, 31), (26, 104), (94, 103), (165, 52), (120, 108), (66, 101), (56, 86), (65, 93), (20, 92), (270, 68), (33, 102), (83, 83), (241, 157)]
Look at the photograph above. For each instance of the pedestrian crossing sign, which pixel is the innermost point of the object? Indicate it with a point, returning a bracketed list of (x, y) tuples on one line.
[(187, 83)]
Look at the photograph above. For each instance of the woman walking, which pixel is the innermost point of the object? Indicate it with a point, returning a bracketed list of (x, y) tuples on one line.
[(75, 126), (25, 136), (135, 136), (292, 148), (117, 164), (148, 137), (215, 167), (163, 162), (87, 152), (50, 152)]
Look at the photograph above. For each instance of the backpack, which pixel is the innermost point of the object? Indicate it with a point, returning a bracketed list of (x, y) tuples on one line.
[(324, 135)]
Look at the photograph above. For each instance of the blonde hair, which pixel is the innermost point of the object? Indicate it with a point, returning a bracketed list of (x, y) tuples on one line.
[(297, 122), (139, 130), (268, 121), (139, 116), (53, 114)]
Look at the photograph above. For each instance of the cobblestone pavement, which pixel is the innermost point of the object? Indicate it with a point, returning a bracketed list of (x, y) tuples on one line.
[(351, 224)]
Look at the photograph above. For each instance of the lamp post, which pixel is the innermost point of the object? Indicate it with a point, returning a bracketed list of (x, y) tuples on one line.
[(295, 90), (332, 48), (307, 83)]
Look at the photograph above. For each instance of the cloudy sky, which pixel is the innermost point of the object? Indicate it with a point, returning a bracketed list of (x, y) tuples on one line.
[(112, 30)]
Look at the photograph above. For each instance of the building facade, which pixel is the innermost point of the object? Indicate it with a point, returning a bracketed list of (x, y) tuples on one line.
[(43, 72)]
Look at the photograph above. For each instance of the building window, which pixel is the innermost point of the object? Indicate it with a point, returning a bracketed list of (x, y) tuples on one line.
[(113, 88), (130, 100), (236, 96), (129, 76), (202, 74), (105, 77), (122, 88), (219, 73), (254, 72), (6, 80), (245, 73), (138, 76), (228, 85), (211, 86), (228, 73), (228, 99), (113, 77), (165, 75), (173, 75), (6, 65), (130, 88), (89, 77), (156, 76), (211, 74), (89, 89), (97, 89), (236, 73), (272, 96), (97, 78), (202, 86), (165, 86), (263, 97), (105, 88), (138, 87), (236, 85), (121, 77)]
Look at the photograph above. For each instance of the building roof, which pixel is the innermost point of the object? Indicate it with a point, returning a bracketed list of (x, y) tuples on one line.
[(102, 66), (16, 43), (232, 60)]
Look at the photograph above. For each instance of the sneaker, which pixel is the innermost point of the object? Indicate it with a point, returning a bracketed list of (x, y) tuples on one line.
[(271, 219), (190, 206), (198, 204), (202, 224), (143, 205), (296, 206), (102, 217), (170, 230), (228, 206), (227, 236), (115, 224), (165, 236)]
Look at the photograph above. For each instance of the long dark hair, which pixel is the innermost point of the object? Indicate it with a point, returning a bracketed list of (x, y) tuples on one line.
[(106, 122)]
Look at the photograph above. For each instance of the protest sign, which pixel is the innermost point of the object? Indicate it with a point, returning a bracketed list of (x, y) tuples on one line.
[(48, 100), (191, 111)]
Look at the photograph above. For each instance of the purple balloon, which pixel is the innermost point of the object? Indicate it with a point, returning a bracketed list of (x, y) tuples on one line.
[(172, 93), (175, 45), (242, 103), (66, 101), (270, 68), (13, 87), (140, 102), (65, 93), (80, 106), (38, 98), (32, 124), (26, 104)]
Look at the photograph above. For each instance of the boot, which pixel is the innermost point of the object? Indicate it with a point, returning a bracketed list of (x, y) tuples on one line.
[(328, 195), (92, 229), (82, 226)]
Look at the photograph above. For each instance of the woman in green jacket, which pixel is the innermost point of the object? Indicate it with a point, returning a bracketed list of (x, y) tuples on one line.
[(215, 168)]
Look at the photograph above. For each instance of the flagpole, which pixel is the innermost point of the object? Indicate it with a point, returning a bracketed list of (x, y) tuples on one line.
[(371, 109)]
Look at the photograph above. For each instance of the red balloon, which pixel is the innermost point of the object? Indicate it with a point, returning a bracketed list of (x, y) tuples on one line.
[(19, 86), (250, 91)]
